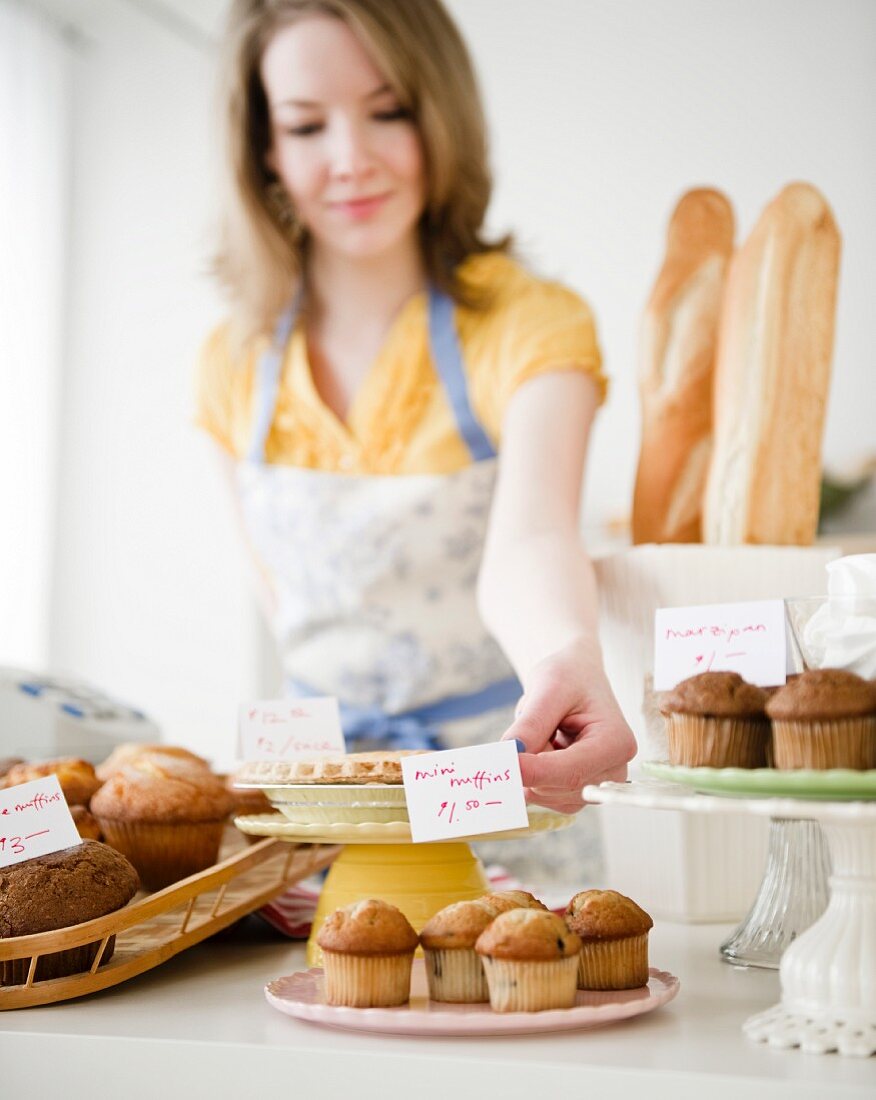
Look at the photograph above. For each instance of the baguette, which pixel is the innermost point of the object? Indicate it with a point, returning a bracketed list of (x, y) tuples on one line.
[(676, 359), (772, 376)]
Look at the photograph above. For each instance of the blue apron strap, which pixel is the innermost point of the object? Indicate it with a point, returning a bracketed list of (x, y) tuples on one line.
[(267, 380), (447, 356), (420, 728)]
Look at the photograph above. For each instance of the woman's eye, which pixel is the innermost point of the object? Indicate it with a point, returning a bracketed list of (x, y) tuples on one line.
[(395, 114), (304, 131)]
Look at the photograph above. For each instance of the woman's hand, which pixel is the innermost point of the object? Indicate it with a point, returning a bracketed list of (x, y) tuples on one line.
[(572, 727)]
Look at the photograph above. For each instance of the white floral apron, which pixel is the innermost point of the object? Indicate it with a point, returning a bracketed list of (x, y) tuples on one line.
[(375, 580), (375, 576)]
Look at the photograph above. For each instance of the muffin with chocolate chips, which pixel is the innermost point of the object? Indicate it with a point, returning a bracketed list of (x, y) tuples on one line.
[(530, 958), (614, 939), (824, 718), (453, 967), (716, 720)]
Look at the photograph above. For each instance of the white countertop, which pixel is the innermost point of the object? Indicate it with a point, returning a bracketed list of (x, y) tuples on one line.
[(200, 1021)]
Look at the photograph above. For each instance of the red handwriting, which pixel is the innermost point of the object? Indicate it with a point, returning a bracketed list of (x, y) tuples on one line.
[(38, 802), (481, 779), (434, 773), (292, 744), (272, 717), (16, 843), (478, 780), (711, 658), (454, 810), (715, 631)]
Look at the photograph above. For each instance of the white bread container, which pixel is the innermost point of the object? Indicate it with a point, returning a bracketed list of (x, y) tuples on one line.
[(679, 866)]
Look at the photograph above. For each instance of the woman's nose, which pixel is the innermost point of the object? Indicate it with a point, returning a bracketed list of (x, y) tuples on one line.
[(351, 154)]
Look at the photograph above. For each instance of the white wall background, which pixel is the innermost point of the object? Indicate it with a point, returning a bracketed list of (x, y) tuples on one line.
[(35, 146), (602, 113)]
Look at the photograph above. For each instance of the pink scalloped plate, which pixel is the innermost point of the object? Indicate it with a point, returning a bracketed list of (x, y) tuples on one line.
[(301, 995)]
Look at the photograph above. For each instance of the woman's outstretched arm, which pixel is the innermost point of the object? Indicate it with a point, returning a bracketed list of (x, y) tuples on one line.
[(537, 594)]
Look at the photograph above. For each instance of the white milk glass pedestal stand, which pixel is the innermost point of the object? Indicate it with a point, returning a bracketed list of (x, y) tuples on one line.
[(828, 974)]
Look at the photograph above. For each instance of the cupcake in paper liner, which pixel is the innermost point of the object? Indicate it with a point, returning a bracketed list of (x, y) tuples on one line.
[(530, 959), (59, 890), (453, 968), (824, 718), (367, 950), (614, 939), (716, 720), (165, 815)]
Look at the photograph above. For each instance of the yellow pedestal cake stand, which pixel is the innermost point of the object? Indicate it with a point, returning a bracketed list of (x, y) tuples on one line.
[(380, 860)]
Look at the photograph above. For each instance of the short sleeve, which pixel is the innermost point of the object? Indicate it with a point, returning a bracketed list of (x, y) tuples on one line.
[(214, 388), (537, 328)]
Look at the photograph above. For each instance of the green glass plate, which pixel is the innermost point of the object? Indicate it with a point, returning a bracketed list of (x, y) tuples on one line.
[(837, 783)]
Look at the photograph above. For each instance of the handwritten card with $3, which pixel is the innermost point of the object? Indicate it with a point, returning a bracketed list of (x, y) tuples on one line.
[(34, 821), (464, 792), (289, 729), (748, 638)]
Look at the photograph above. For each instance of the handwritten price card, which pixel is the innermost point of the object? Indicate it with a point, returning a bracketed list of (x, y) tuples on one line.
[(748, 638), (287, 729), (34, 820), (464, 792)]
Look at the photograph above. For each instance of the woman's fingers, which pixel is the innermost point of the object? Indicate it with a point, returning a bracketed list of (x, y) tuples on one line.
[(561, 801), (539, 713), (597, 755)]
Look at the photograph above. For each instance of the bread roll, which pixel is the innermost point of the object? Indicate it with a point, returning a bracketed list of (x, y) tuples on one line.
[(772, 376), (676, 359)]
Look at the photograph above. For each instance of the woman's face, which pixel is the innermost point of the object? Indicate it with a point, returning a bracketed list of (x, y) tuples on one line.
[(349, 157)]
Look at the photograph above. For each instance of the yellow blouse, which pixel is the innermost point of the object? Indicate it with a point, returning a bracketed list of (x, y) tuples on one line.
[(400, 421)]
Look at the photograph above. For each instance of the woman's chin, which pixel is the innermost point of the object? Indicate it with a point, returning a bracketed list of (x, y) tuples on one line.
[(365, 243)]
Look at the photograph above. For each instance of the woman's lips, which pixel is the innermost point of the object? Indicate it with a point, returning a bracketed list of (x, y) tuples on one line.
[(360, 208)]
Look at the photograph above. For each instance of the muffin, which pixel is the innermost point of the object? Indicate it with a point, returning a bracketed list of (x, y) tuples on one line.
[(716, 720), (56, 891), (77, 777), (453, 968), (124, 754), (824, 718), (614, 940), (7, 762), (531, 961), (368, 949), (512, 899), (165, 815), (86, 823)]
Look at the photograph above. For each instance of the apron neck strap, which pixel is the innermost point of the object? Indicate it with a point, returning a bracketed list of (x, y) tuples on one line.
[(446, 355)]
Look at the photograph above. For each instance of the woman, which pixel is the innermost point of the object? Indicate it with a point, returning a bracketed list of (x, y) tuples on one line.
[(380, 353)]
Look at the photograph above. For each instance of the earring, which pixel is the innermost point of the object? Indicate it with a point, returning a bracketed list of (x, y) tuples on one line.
[(283, 210)]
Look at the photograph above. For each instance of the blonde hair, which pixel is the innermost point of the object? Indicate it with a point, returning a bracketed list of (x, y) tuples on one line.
[(425, 61)]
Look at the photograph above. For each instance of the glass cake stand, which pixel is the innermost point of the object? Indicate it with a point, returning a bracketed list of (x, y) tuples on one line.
[(828, 973), (793, 892), (380, 859)]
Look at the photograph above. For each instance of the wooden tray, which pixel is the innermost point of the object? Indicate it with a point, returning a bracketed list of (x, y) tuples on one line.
[(155, 927)]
